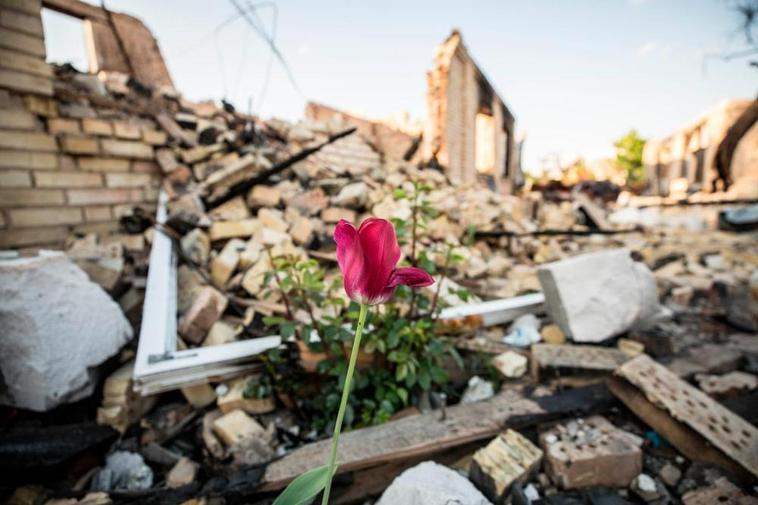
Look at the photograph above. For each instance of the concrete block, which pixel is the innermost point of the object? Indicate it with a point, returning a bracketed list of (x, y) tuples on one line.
[(596, 296), (591, 452)]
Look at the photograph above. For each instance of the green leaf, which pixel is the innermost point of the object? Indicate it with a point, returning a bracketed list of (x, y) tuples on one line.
[(306, 487)]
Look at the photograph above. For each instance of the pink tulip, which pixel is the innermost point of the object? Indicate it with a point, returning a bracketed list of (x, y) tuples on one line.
[(368, 258)]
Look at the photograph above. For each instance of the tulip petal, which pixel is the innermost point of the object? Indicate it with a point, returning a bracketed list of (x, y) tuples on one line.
[(350, 258), (381, 253), (412, 277)]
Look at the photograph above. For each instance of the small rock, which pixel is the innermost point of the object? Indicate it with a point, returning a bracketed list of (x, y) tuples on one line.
[(646, 488), (182, 473), (429, 483), (199, 395), (524, 331), (670, 475), (264, 196), (332, 215), (552, 334), (124, 471), (196, 246), (511, 364), (352, 196), (478, 389)]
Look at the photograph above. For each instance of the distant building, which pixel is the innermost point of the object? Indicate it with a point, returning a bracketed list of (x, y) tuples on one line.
[(469, 129), (688, 159)]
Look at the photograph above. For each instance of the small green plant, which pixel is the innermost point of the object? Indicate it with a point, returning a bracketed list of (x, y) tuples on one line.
[(400, 342)]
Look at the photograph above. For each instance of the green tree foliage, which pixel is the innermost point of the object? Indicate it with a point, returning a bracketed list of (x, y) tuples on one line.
[(629, 156)]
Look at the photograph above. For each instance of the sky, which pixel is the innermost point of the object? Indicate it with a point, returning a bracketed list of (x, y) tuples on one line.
[(577, 75)]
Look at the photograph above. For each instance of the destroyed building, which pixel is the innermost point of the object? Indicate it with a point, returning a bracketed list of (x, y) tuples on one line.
[(469, 129), (182, 352), (717, 150)]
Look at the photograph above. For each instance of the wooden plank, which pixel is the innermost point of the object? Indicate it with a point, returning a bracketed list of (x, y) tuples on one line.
[(581, 357), (11, 39), (426, 434), (13, 60), (686, 416)]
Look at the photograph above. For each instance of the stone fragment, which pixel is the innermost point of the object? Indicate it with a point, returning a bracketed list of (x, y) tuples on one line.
[(199, 395), (630, 347), (507, 459), (196, 246), (272, 219), (302, 230), (646, 488), (236, 426), (244, 228), (309, 203), (552, 334), (205, 310), (57, 326), (591, 452), (124, 471), (511, 364), (332, 215), (121, 406), (235, 399), (183, 473), (670, 474), (722, 492), (477, 390), (731, 384), (233, 210), (225, 263), (352, 196), (189, 284), (220, 333), (264, 196), (429, 483), (598, 295)]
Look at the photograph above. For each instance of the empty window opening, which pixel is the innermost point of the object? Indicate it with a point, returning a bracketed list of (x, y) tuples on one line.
[(65, 40)]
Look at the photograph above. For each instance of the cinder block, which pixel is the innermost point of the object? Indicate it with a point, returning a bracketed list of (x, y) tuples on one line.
[(67, 180), (60, 125), (94, 126), (591, 452), (30, 197), (128, 180), (79, 145), (45, 217), (126, 130), (17, 119), (27, 159), (206, 309), (127, 149), (15, 179), (154, 137), (20, 64), (21, 22), (27, 141), (507, 459), (98, 196), (103, 164), (97, 213), (22, 42), (26, 237)]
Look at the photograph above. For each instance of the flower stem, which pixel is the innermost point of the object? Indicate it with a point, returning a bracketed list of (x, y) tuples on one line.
[(343, 402)]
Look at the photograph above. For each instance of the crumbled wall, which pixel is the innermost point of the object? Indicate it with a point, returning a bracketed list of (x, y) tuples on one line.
[(70, 159), (391, 143), (689, 153), (456, 92)]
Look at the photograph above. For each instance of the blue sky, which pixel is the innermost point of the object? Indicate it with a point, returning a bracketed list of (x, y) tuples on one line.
[(576, 74)]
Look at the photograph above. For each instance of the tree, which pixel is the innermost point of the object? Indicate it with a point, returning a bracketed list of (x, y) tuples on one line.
[(629, 156)]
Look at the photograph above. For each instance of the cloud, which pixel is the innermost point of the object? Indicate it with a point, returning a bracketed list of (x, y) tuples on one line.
[(647, 48)]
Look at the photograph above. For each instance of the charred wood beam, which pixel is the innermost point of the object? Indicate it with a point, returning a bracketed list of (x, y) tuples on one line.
[(243, 187)]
